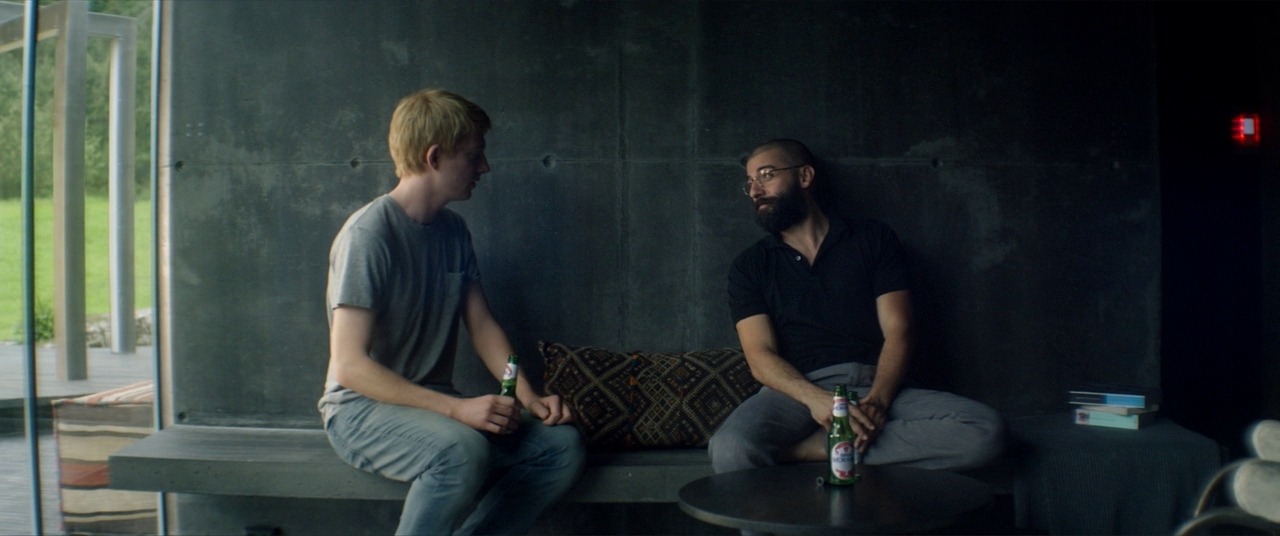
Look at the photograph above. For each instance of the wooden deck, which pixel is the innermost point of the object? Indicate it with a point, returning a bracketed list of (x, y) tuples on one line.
[(15, 486), (106, 371)]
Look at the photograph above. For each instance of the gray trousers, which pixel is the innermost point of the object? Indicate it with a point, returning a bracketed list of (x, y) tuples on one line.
[(926, 429)]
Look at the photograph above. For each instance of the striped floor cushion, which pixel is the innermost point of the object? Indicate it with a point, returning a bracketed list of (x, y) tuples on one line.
[(88, 429)]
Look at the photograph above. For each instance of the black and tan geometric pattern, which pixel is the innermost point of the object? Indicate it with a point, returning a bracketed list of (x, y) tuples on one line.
[(640, 400)]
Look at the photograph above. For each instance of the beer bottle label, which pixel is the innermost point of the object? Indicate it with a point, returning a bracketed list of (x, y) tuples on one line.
[(842, 460), (840, 408), (508, 387)]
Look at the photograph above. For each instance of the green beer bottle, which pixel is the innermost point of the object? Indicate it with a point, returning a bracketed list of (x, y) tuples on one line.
[(509, 376), (508, 389), (840, 449)]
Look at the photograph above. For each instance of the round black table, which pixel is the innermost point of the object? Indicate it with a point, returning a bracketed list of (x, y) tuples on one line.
[(787, 499)]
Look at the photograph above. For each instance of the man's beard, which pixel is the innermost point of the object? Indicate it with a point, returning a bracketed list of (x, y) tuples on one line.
[(789, 208)]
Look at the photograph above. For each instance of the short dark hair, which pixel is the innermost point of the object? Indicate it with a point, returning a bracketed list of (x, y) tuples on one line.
[(795, 152)]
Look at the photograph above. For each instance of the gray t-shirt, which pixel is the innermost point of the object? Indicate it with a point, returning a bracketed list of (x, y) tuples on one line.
[(413, 277)]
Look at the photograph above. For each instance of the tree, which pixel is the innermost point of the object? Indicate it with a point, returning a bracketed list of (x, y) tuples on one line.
[(96, 109)]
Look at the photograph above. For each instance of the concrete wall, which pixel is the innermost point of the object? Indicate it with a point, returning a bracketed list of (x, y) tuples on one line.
[(1012, 146)]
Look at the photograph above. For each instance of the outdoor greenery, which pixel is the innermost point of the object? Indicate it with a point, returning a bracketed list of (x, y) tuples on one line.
[(97, 111), (43, 328), (97, 255), (96, 175)]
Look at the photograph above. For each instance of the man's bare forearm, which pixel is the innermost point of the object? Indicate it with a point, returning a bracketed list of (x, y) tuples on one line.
[(894, 312), (351, 366), (760, 347), (363, 375), (777, 374), (891, 371), (492, 345), (491, 342)]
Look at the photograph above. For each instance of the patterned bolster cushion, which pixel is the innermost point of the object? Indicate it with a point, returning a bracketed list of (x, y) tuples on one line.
[(639, 400), (89, 429)]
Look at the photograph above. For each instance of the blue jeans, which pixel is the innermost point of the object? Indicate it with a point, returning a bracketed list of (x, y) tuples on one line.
[(447, 463), (927, 429)]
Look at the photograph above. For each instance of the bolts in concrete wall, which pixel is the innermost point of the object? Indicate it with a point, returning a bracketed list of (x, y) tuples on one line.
[(354, 163), (182, 416), (177, 166), (549, 161)]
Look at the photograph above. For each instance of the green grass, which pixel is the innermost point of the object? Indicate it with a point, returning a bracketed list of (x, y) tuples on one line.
[(97, 257)]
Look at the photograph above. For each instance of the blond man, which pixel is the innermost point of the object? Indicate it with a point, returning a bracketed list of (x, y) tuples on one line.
[(402, 276)]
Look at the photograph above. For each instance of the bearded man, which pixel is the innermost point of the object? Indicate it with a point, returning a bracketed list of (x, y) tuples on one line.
[(822, 301)]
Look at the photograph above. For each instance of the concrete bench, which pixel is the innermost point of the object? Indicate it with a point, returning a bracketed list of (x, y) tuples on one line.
[(1062, 477), (275, 462)]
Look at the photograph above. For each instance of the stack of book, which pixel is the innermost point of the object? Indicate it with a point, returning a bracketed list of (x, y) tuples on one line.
[(1114, 406)]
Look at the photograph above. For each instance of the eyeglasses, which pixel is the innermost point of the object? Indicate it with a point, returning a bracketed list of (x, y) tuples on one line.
[(763, 176)]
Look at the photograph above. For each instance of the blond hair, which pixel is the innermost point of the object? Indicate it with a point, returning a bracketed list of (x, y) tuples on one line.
[(431, 117)]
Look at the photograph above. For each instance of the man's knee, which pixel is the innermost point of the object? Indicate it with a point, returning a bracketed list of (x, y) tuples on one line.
[(730, 451), (986, 440), (464, 455), (564, 445)]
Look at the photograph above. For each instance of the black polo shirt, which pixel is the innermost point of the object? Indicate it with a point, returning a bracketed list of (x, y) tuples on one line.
[(823, 314)]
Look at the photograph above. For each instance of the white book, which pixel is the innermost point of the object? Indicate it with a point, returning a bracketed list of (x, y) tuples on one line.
[(1111, 420)]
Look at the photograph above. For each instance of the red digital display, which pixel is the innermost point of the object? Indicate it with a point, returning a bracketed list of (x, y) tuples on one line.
[(1244, 130)]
